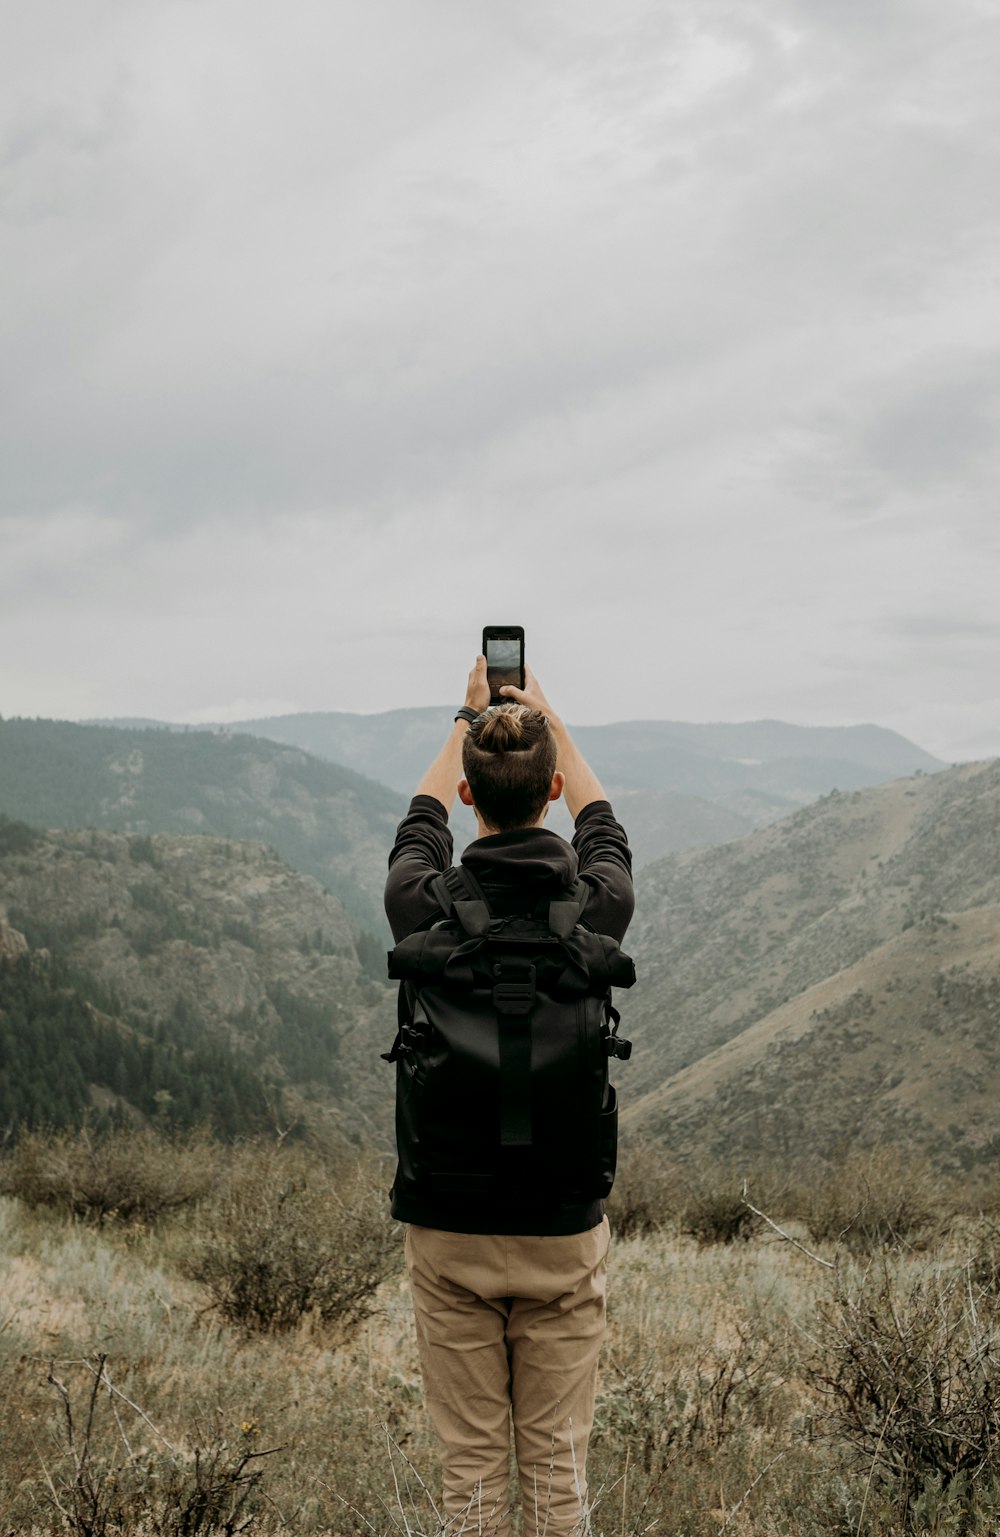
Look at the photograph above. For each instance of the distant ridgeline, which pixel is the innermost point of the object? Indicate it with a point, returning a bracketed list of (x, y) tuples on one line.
[(675, 785), (187, 981), (324, 820)]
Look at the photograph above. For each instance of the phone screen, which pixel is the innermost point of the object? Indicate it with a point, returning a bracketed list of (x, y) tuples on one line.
[(504, 662)]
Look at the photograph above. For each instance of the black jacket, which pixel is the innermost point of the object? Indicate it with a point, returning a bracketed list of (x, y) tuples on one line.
[(515, 870)]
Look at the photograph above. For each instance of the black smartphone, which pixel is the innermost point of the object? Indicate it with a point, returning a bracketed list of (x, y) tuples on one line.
[(503, 648)]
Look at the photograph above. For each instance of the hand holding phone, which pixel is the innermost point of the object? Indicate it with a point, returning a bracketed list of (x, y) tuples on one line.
[(503, 648)]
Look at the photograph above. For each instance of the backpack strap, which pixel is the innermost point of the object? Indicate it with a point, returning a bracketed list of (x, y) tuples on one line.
[(457, 891), (566, 912), (514, 1000)]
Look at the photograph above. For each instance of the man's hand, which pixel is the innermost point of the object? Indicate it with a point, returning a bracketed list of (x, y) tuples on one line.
[(477, 691), (530, 695)]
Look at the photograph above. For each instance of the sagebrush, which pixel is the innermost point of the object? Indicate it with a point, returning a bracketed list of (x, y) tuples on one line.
[(284, 1236)]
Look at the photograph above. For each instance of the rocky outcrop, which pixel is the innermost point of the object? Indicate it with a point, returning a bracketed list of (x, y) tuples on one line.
[(12, 942)]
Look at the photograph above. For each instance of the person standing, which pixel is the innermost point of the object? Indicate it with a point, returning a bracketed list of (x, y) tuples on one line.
[(508, 1289)]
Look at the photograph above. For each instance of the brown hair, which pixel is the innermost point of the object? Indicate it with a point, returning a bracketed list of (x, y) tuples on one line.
[(509, 757)]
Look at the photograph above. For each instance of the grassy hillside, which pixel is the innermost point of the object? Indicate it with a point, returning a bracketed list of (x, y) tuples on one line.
[(325, 820), (744, 1387), (183, 979), (833, 977)]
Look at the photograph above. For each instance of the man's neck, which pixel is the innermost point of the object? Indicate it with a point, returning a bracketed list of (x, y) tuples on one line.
[(485, 831)]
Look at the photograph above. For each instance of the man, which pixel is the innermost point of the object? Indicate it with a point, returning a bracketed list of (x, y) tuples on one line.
[(509, 1293)]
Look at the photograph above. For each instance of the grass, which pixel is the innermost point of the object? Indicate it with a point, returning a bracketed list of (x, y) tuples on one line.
[(715, 1414)]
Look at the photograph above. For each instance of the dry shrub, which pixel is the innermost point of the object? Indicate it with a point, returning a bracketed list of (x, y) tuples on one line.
[(984, 1262), (871, 1201), (112, 1472), (911, 1377), (131, 1176), (698, 1404), (714, 1206), (285, 1237), (645, 1195)]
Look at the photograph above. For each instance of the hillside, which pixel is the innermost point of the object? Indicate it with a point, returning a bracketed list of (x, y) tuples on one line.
[(324, 820), (830, 977), (903, 1047), (188, 977)]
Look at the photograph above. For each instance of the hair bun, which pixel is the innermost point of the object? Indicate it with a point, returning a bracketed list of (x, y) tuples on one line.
[(501, 727)]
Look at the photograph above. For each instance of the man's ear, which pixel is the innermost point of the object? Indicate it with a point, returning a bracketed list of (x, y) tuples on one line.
[(556, 787), (464, 793)]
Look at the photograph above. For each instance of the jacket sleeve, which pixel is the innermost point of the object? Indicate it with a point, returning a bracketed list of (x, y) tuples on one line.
[(605, 864), (423, 848)]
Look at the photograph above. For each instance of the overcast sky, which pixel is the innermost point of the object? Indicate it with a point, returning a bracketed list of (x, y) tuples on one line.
[(331, 331)]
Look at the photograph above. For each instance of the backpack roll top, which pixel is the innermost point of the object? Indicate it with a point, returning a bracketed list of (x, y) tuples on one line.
[(585, 962)]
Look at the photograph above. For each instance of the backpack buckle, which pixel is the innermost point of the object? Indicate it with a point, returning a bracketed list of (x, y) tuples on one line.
[(514, 988)]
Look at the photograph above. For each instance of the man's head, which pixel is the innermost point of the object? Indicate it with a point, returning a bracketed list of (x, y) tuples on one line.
[(509, 757)]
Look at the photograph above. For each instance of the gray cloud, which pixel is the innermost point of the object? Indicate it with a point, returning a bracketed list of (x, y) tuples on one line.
[(315, 321)]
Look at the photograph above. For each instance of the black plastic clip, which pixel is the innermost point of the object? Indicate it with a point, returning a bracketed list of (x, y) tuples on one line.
[(514, 988)]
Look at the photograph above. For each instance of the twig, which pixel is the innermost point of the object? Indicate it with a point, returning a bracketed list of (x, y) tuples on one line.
[(102, 1376), (52, 1488), (395, 1480), (628, 1450), (826, 1263), (348, 1506), (742, 1501), (972, 1301), (871, 1470), (91, 1407), (416, 1473), (63, 1392)]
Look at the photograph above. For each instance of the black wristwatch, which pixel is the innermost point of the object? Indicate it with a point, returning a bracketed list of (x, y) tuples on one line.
[(468, 713)]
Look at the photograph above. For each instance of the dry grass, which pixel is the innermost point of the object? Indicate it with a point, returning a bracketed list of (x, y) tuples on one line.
[(711, 1419)]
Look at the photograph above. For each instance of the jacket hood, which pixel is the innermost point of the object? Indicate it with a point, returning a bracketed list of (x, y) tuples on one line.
[(529, 855)]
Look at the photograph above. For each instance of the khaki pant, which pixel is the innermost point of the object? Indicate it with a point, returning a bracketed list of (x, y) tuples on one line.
[(510, 1325)]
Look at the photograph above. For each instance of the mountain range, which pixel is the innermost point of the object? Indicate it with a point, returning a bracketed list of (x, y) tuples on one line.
[(676, 785), (830, 979)]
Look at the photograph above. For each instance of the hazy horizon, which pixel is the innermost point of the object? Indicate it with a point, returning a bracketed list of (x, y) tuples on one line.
[(140, 722), (670, 334)]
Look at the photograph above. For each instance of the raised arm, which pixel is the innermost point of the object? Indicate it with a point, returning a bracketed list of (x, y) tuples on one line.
[(582, 785), (423, 845), (441, 779)]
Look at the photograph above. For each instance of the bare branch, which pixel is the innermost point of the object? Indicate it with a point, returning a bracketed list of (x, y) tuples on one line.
[(826, 1263), (742, 1501), (63, 1392), (102, 1376)]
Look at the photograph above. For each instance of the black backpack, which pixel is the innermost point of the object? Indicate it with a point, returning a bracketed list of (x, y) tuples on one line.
[(506, 1026)]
